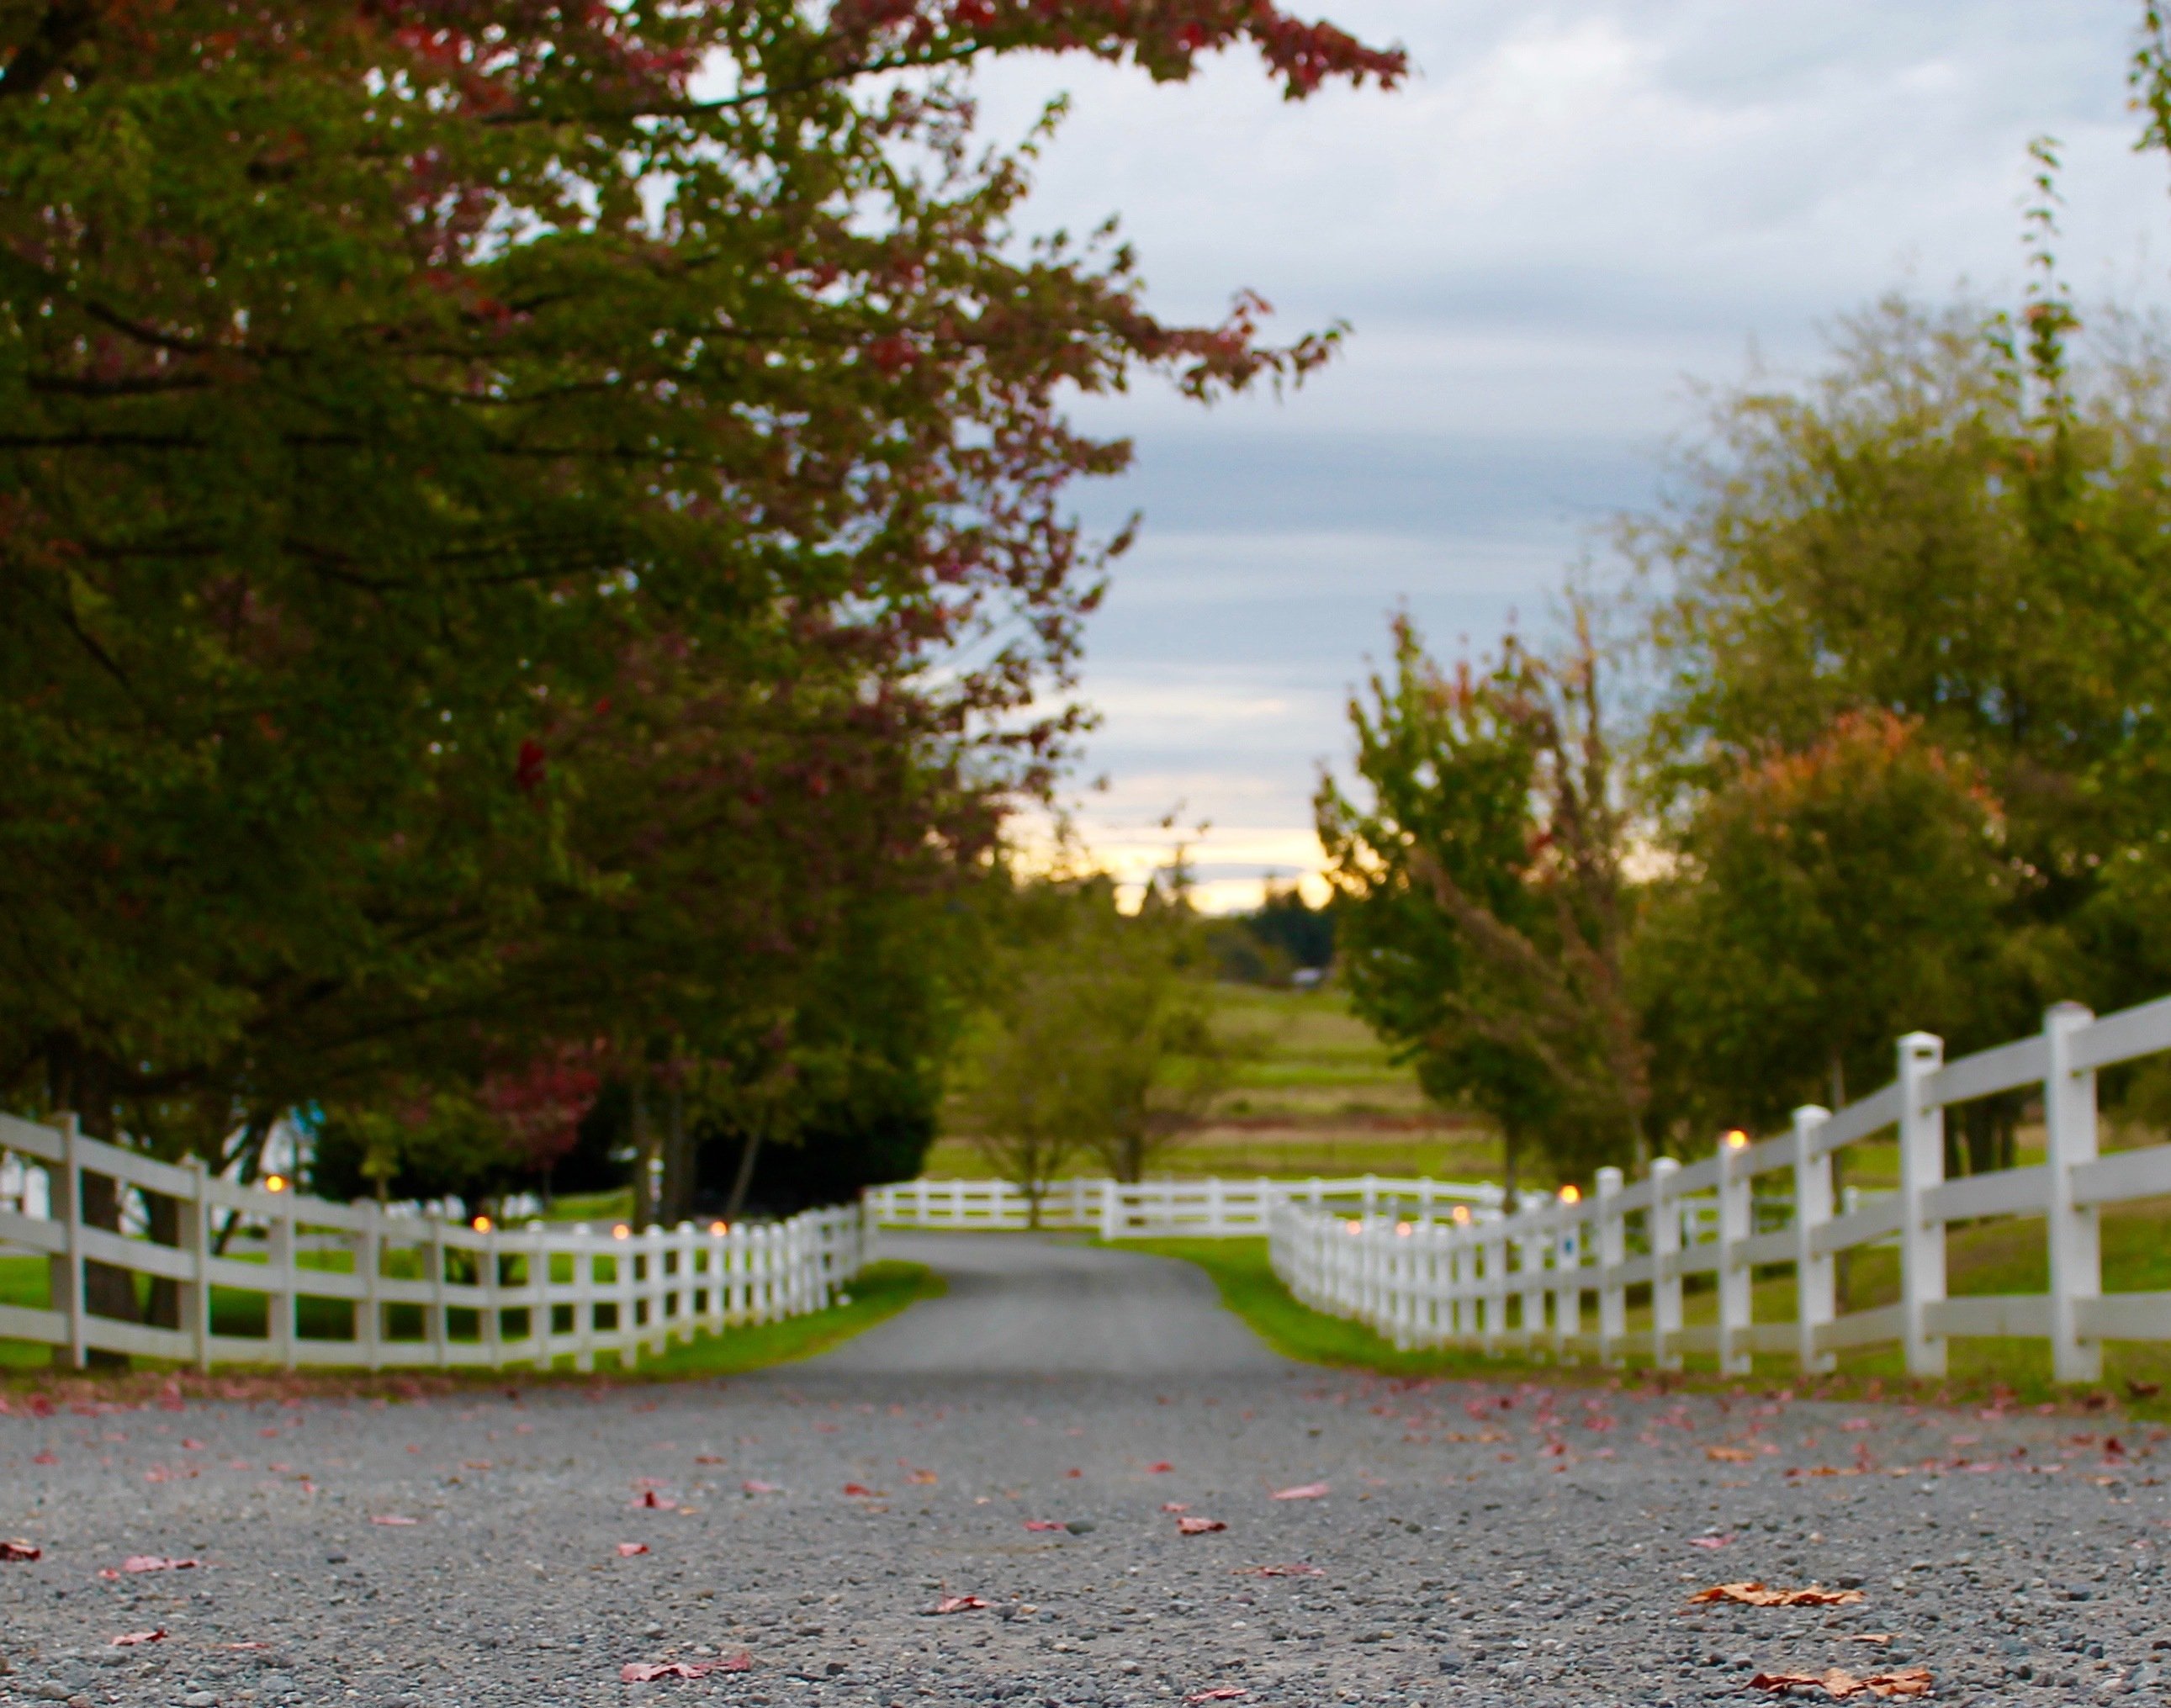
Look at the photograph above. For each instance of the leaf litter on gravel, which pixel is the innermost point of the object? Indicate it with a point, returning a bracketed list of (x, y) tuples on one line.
[(647, 1671), (1753, 1594), (15, 1548), (1198, 1526), (1837, 1682)]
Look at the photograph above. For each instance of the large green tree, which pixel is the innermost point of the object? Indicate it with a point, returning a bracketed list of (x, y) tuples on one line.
[(508, 513)]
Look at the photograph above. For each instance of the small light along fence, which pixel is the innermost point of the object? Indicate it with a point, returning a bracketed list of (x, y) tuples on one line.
[(359, 1285), (1202, 1209), (1525, 1281)]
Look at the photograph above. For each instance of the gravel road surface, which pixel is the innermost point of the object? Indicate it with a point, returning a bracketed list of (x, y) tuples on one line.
[(1475, 1544)]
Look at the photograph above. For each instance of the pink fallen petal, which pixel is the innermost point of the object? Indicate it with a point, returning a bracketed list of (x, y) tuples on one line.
[(1197, 1527), (1175, 1506), (1302, 1492), (1043, 1523), (128, 1639), (755, 1486), (1709, 1541), (156, 1562), (958, 1603), (391, 1518), (626, 1550)]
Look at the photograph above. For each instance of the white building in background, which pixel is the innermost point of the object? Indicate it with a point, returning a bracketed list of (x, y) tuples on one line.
[(24, 1188)]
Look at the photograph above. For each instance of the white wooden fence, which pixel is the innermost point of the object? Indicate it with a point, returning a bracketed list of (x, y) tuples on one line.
[(354, 1284), (1212, 1209), (1524, 1281)]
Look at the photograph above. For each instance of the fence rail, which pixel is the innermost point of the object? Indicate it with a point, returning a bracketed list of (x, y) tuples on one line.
[(1212, 1209), (1524, 1281), (353, 1284)]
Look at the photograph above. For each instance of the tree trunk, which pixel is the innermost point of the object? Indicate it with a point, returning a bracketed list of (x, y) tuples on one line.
[(108, 1291), (676, 1203), (644, 1159), (165, 1303), (743, 1181)]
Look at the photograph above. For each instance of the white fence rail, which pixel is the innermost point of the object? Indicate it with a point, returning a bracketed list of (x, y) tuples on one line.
[(1215, 1209), (351, 1284), (1524, 1281)]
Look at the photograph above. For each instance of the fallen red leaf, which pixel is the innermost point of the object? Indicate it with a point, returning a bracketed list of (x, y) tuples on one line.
[(45, 1459), (391, 1518), (862, 1491), (17, 1549), (957, 1604), (626, 1550), (708, 1458), (128, 1639), (1197, 1527), (1160, 1465), (1908, 1681), (1043, 1523), (156, 1562), (1074, 1473), (1762, 1595), (1302, 1492)]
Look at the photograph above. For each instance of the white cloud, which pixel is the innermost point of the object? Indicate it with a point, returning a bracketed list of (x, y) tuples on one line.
[(1576, 207)]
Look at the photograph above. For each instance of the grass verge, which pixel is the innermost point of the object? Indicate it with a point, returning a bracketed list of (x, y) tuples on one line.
[(879, 1293), (2003, 1373)]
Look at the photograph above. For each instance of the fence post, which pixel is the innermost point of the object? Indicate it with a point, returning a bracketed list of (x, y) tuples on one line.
[(1666, 1276), (1816, 1297), (196, 1239), (1613, 1253), (1922, 1166), (2076, 1238), (1568, 1280), (64, 1197), (1736, 1223), (280, 1304)]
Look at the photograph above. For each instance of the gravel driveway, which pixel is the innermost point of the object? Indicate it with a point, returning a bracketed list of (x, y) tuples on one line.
[(1475, 1544)]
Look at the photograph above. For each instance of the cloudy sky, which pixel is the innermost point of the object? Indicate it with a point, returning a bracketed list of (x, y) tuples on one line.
[(1573, 212)]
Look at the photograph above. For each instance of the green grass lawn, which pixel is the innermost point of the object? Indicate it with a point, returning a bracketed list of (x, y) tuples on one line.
[(1995, 1259), (881, 1291)]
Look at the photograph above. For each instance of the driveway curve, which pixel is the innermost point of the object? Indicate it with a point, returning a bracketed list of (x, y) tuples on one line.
[(1028, 1305)]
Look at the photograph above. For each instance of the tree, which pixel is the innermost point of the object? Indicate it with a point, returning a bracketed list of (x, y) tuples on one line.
[(1957, 525), (404, 407), (1484, 911), (1097, 1034), (1827, 900)]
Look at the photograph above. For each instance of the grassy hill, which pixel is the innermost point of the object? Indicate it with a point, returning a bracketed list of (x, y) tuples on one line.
[(1318, 1095)]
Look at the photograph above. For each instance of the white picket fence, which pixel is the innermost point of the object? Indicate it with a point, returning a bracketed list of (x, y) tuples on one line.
[(1210, 1209), (465, 1297), (1522, 1281)]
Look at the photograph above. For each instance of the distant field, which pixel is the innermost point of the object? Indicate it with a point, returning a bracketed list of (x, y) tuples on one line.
[(1318, 1095)]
